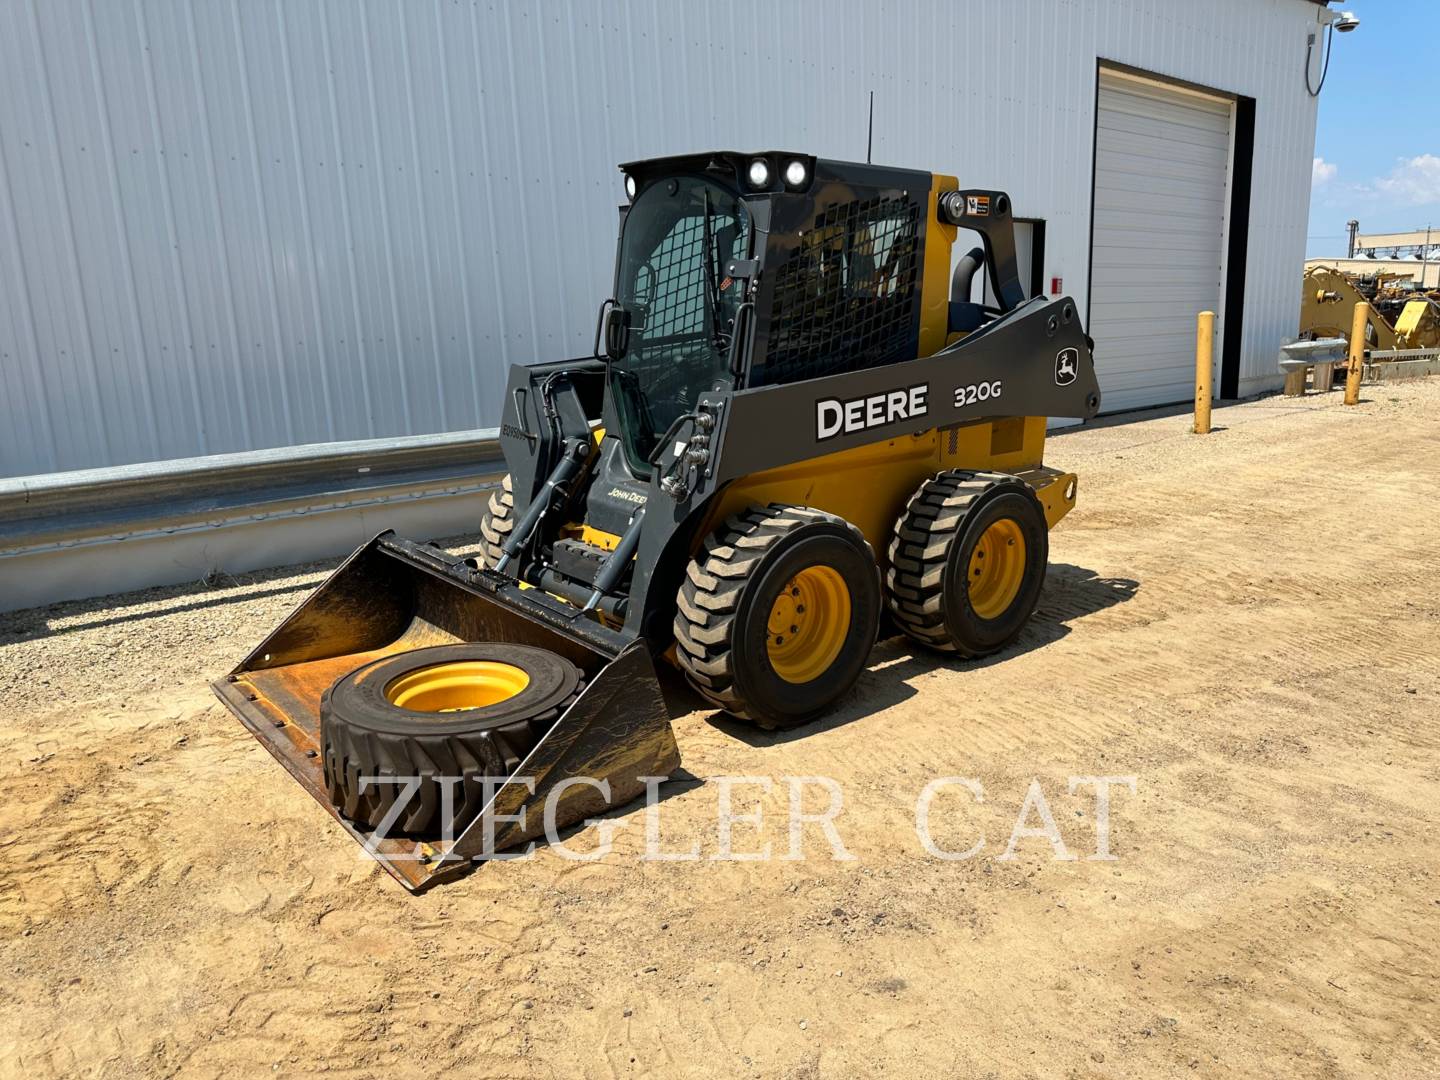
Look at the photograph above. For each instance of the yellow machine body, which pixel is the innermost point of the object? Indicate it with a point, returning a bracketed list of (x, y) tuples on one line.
[(1327, 309), (1419, 325), (869, 486)]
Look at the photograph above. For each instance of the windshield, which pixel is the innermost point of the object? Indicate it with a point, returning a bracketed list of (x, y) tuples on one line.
[(678, 236)]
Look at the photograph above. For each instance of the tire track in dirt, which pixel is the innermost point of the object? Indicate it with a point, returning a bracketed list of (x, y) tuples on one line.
[(1240, 622)]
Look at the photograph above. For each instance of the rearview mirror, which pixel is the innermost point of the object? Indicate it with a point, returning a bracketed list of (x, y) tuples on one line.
[(615, 331)]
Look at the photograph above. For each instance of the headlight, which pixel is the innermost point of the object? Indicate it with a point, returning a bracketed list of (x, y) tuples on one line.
[(759, 173), (796, 174), (630, 186)]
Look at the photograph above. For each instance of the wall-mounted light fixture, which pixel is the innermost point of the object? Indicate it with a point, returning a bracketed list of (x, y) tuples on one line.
[(1344, 22)]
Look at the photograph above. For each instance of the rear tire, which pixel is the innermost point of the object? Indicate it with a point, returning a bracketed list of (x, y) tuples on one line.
[(403, 716), (940, 588), (497, 523), (770, 576)]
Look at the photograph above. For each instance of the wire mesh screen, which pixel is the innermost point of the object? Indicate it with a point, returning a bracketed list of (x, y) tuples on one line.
[(674, 281), (845, 299), (672, 285), (673, 348)]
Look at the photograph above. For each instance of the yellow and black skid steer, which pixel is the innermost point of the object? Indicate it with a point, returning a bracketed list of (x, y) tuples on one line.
[(796, 426)]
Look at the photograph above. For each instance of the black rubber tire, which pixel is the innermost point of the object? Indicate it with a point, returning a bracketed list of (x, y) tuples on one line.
[(497, 523), (725, 600), (926, 587), (363, 734)]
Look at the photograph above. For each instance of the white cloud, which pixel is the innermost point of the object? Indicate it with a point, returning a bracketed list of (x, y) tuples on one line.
[(1321, 172), (1413, 182)]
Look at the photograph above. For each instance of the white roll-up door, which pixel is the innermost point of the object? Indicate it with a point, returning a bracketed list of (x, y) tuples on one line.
[(1161, 164)]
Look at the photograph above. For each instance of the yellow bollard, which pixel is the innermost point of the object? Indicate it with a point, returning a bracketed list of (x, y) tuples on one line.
[(1357, 353), (1204, 365)]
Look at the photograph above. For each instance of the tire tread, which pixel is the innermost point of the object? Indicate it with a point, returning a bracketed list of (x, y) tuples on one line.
[(497, 523), (351, 749), (919, 548), (710, 597)]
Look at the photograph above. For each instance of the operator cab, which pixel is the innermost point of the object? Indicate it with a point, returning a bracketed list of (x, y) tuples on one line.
[(739, 270)]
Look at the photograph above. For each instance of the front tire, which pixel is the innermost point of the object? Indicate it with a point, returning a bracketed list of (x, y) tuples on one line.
[(778, 614), (967, 562), (497, 523)]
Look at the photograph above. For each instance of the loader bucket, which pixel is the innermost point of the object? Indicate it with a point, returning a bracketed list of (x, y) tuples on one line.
[(393, 595)]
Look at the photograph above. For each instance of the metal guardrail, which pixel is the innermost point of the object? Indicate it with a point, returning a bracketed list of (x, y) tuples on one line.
[(98, 532), (60, 510), (1401, 355)]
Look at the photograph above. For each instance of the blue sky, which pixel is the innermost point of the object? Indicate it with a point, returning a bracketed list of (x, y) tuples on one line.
[(1378, 143)]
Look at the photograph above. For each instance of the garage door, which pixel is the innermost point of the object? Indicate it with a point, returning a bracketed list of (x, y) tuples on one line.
[(1160, 207)]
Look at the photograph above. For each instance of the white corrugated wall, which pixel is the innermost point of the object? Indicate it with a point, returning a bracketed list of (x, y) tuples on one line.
[(234, 224)]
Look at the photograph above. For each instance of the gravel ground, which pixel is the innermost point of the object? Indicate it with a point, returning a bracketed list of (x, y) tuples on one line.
[(1247, 624)]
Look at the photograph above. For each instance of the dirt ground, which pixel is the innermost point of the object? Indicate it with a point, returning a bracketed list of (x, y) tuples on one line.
[(1247, 624)]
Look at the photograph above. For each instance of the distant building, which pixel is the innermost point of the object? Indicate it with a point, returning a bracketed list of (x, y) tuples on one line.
[(1428, 272)]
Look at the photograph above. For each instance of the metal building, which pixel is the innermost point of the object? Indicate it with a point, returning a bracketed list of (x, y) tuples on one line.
[(265, 262), (233, 225)]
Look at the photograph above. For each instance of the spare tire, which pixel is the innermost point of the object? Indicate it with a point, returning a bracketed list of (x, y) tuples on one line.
[(447, 716)]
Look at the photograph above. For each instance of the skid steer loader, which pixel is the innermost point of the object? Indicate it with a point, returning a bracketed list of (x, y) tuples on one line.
[(797, 425)]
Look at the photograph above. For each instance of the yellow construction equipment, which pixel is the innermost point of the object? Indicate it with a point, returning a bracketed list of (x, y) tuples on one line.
[(1327, 309), (796, 419)]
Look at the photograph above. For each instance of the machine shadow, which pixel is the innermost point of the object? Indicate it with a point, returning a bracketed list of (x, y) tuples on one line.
[(680, 781), (1071, 593)]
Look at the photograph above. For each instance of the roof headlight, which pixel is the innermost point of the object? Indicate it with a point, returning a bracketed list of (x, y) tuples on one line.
[(796, 173), (630, 186), (759, 173)]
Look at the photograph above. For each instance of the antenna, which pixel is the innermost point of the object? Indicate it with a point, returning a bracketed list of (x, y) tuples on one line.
[(870, 133)]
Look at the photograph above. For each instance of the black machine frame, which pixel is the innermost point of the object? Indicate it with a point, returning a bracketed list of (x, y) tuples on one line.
[(1027, 357)]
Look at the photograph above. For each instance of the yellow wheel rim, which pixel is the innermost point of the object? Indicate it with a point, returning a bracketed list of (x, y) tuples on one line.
[(997, 568), (464, 684), (808, 624)]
